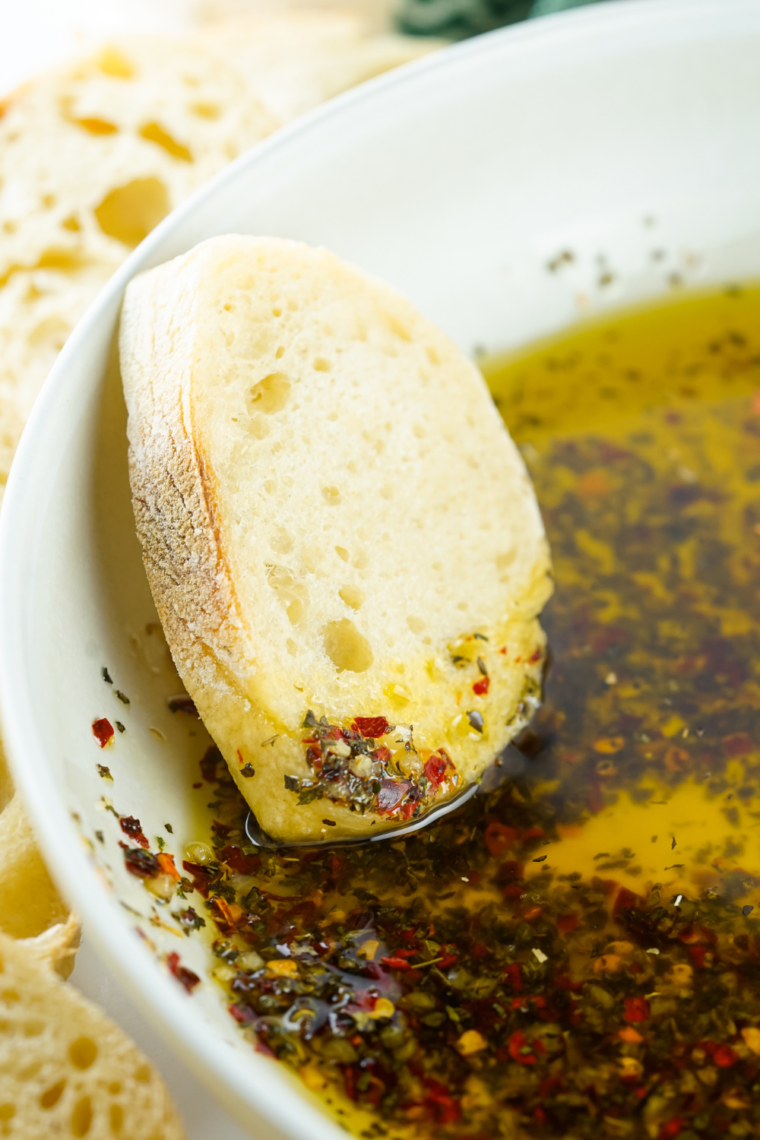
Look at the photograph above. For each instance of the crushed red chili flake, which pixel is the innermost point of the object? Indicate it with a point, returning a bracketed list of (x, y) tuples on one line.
[(103, 731), (141, 863), (166, 863), (436, 767), (371, 727), (391, 794), (133, 828), (499, 838), (636, 1009), (481, 687), (184, 976)]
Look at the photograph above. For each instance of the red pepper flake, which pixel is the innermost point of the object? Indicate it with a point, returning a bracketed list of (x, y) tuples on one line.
[(436, 767), (242, 1013), (636, 1009), (391, 794), (499, 838), (133, 828), (670, 1129), (235, 858), (141, 863), (227, 914), (371, 726), (102, 730), (626, 900), (396, 963), (481, 687), (724, 1057), (566, 923), (532, 914), (166, 863), (184, 976), (697, 955), (513, 974), (535, 656), (526, 1053), (200, 875), (739, 744), (349, 1082)]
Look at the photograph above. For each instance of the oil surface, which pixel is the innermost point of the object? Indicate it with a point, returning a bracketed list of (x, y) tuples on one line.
[(575, 953)]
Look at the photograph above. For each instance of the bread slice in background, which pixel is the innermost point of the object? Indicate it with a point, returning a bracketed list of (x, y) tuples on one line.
[(299, 57), (65, 1068), (335, 522), (92, 156)]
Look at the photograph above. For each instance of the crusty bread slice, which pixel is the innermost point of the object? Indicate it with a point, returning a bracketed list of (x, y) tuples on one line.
[(335, 524), (65, 1068)]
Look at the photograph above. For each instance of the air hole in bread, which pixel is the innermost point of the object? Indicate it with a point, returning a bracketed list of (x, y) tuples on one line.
[(7, 1112), (49, 201), (51, 1096), (291, 646), (131, 211), (295, 611), (321, 365), (71, 223), (280, 353), (155, 133), (206, 110), (113, 63), (432, 355), (399, 328), (258, 427), (342, 553), (270, 395), (416, 624), (117, 1118), (277, 312), (348, 649), (81, 1117), (95, 126), (331, 495), (282, 541), (352, 596), (83, 1052), (229, 307)]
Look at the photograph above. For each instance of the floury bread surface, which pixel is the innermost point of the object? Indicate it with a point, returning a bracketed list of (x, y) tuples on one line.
[(342, 541)]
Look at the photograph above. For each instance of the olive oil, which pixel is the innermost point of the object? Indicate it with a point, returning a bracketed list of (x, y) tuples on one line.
[(576, 952)]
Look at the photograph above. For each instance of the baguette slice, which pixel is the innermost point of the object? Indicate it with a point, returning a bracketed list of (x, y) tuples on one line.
[(342, 541), (65, 1069)]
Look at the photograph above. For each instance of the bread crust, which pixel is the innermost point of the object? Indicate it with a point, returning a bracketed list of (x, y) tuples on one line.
[(180, 516)]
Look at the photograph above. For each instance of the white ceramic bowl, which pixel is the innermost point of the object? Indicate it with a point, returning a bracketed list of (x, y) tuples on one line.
[(612, 133)]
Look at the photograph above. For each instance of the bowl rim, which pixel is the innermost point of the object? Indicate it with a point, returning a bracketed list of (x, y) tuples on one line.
[(226, 1072)]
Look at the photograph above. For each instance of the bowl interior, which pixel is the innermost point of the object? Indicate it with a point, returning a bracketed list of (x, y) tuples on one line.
[(507, 186)]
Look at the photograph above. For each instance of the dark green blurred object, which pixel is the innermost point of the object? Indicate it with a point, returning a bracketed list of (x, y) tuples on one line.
[(458, 19)]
